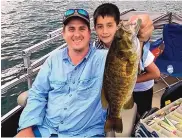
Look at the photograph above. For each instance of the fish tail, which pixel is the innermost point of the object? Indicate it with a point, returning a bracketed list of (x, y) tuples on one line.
[(118, 125), (114, 124)]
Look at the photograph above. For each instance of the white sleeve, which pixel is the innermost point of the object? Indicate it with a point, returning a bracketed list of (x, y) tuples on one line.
[(149, 60), (138, 48)]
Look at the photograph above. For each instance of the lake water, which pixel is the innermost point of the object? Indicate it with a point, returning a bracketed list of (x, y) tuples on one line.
[(25, 23)]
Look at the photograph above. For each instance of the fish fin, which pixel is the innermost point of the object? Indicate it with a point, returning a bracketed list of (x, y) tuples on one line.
[(103, 100), (129, 104), (114, 124)]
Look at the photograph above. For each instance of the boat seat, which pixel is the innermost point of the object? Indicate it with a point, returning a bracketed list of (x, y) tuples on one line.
[(170, 61), (128, 118), (22, 99)]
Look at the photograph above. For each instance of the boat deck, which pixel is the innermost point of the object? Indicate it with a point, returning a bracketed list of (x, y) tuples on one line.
[(159, 84)]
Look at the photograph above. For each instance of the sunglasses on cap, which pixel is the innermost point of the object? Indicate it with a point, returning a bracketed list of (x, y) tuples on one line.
[(76, 12)]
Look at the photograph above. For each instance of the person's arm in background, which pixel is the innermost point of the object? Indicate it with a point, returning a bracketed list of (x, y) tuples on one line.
[(34, 111), (151, 70)]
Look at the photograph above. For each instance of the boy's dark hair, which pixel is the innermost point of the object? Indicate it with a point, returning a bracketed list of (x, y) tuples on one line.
[(107, 9)]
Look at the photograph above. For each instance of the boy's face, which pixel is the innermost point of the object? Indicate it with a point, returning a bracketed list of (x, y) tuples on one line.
[(106, 28)]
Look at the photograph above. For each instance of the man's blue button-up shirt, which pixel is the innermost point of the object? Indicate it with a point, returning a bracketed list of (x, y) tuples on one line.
[(65, 99)]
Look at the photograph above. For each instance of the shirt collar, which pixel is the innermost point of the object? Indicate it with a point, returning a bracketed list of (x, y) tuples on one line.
[(103, 45), (91, 48), (65, 54)]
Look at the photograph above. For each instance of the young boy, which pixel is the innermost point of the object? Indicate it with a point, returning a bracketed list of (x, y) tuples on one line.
[(106, 20)]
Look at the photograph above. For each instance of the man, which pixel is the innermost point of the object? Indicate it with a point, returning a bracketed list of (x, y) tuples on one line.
[(106, 19), (64, 99)]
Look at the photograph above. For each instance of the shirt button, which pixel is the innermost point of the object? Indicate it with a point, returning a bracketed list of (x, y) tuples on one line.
[(62, 122), (65, 108), (70, 95)]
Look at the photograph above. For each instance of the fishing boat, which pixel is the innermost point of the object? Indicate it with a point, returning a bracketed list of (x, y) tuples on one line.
[(9, 122)]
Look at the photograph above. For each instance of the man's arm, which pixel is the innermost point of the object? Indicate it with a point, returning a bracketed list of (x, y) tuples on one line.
[(34, 112), (152, 72)]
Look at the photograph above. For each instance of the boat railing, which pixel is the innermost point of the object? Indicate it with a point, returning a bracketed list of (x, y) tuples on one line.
[(33, 68)]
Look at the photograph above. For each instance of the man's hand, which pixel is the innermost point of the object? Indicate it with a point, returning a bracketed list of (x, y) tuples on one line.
[(27, 132), (146, 27)]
